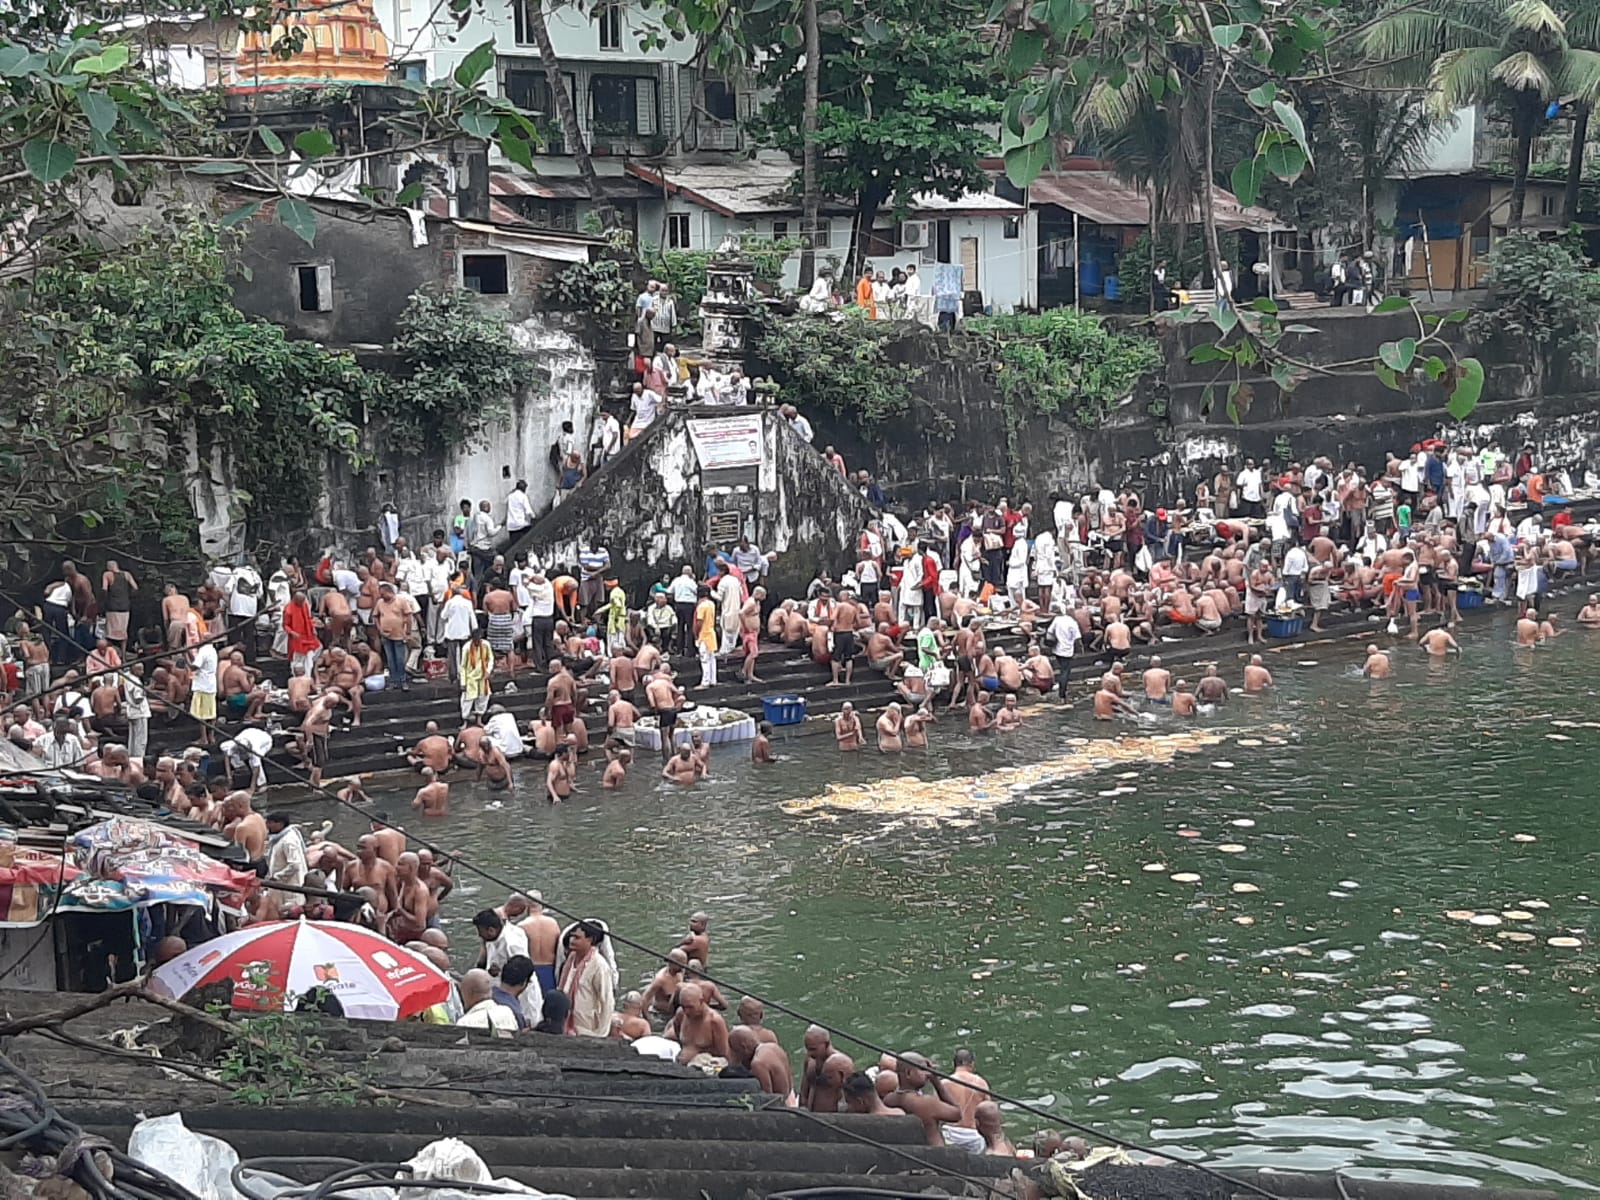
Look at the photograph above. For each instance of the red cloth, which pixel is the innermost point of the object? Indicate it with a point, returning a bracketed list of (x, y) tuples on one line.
[(302, 630)]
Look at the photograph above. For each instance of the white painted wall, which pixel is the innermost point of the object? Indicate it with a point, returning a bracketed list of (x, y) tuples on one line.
[(1005, 265), (1451, 148), (575, 35)]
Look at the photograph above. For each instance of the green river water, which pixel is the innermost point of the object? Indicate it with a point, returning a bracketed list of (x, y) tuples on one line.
[(1350, 1024)]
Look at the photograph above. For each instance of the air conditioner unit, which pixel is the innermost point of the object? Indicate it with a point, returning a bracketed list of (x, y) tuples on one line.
[(914, 234)]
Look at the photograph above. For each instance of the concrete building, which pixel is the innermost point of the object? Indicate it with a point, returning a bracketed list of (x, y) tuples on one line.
[(697, 206), (630, 104)]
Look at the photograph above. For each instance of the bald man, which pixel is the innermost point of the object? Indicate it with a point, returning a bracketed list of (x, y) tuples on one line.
[(939, 1114), (766, 1061), (697, 1027)]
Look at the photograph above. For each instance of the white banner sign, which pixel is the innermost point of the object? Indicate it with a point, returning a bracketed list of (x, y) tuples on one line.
[(722, 442)]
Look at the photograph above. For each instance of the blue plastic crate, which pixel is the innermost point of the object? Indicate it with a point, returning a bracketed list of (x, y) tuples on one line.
[(784, 710), (1284, 627), (1469, 599)]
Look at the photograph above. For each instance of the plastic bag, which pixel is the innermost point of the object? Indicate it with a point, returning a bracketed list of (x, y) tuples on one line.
[(198, 1161)]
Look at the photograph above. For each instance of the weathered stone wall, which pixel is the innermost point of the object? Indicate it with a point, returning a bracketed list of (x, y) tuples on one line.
[(649, 508), (954, 442)]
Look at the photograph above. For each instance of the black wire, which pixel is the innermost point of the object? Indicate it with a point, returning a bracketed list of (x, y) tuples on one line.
[(834, 1031)]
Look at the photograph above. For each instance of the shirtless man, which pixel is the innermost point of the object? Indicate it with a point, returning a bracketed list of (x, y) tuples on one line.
[(629, 1023), (967, 1088), (1009, 672), (847, 728), (1256, 677), (624, 675), (1038, 672), (814, 1095), (561, 776), (915, 728), (1118, 639), (665, 699), (750, 634), (682, 768), (1184, 703), (1438, 643), (861, 1096), (765, 1060), (175, 616), (342, 673), (1009, 718), (1547, 627), (936, 1112), (410, 914), (697, 1027), (1107, 704), (1589, 614), (244, 825), (752, 1014), (493, 766), (889, 730), (661, 997), (761, 746), (618, 758), (433, 797), (300, 688), (978, 717), (987, 1120), (697, 942), (561, 696), (842, 624), (882, 653), (1377, 665), (432, 752), (1212, 688), (337, 619), (1528, 628), (314, 730), (1157, 681), (700, 751)]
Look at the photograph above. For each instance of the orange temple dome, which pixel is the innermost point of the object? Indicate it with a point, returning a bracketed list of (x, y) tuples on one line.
[(342, 43)]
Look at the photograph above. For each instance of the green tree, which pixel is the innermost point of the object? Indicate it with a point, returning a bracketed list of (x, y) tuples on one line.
[(112, 359), (1513, 55), (905, 94)]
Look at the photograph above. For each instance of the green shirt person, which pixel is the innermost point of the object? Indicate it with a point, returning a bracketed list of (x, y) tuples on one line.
[(928, 649)]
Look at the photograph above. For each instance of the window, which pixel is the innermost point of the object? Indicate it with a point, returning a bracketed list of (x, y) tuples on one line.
[(623, 104), (780, 230), (1547, 205), (417, 71), (881, 242), (822, 239), (1012, 230), (521, 27), (315, 284), (608, 20), (721, 101), (485, 274), (677, 231), (351, 37)]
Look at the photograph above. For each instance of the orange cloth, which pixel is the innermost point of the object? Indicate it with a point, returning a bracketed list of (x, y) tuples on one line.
[(864, 298)]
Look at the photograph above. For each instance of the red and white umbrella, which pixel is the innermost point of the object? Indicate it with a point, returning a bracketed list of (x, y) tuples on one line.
[(373, 978)]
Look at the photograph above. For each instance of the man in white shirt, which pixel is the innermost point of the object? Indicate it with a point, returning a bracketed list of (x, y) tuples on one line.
[(483, 1011), (502, 939), (346, 580), (457, 620), (607, 439), (1064, 634), (60, 747), (1249, 483), (1409, 474), (481, 540), (646, 405), (911, 590), (541, 616), (519, 509), (437, 568), (796, 422), (244, 598), (1295, 565), (203, 689), (286, 851)]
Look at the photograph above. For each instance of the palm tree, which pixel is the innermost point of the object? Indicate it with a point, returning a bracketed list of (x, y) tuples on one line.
[(810, 200), (1583, 33), (1514, 54)]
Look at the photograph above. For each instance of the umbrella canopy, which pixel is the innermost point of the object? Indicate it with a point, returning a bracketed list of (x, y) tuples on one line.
[(373, 978)]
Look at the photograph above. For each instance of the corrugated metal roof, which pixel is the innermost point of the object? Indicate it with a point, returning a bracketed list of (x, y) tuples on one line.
[(1106, 200), (560, 187), (761, 186)]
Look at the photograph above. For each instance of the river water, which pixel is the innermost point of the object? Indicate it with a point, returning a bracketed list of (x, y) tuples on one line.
[(1334, 1017)]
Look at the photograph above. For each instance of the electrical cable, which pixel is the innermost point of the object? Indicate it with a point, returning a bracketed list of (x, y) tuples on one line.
[(729, 985)]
